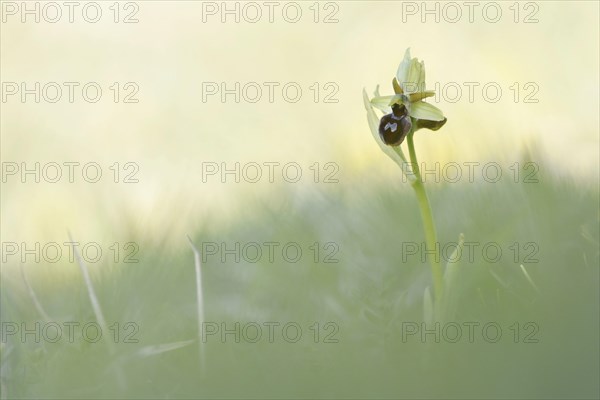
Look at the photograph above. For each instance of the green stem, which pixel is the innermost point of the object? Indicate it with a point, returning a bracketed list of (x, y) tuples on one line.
[(428, 225)]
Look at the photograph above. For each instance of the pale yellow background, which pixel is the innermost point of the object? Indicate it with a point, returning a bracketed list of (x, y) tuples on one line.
[(170, 132)]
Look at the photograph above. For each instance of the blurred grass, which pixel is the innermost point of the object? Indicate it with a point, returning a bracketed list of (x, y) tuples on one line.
[(368, 294)]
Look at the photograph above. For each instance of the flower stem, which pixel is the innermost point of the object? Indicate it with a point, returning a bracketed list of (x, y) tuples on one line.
[(428, 225)]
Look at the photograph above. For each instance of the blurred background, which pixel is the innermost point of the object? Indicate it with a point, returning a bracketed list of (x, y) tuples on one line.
[(170, 132), (542, 55)]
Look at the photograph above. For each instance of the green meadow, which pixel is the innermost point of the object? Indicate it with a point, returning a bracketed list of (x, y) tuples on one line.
[(343, 319), (201, 273)]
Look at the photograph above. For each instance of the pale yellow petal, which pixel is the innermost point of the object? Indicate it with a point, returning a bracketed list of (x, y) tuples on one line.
[(395, 153), (396, 86), (404, 66), (411, 83), (384, 103), (422, 110), (414, 97)]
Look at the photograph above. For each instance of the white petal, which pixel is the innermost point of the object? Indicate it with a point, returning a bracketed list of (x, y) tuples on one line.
[(395, 153), (411, 74), (415, 80), (377, 91), (403, 68), (422, 110), (384, 103)]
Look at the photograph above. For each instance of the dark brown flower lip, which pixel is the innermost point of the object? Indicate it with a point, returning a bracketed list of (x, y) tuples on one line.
[(394, 127)]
